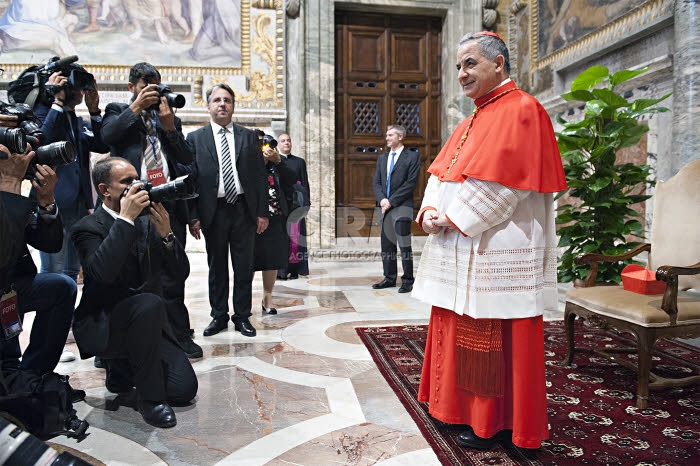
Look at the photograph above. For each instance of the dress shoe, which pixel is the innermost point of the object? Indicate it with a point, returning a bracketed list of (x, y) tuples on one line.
[(119, 376), (98, 363), (268, 310), (406, 288), (191, 349), (384, 284), (293, 276), (217, 324), (245, 328), (157, 414), (468, 439)]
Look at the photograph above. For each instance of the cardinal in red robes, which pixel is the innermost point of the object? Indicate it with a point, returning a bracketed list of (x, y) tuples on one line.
[(489, 265)]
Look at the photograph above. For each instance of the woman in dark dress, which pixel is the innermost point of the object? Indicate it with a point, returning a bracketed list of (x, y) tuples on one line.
[(272, 246)]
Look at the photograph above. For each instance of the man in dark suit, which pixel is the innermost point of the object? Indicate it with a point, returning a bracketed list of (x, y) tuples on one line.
[(147, 133), (51, 296), (231, 208), (122, 315), (74, 189), (395, 180)]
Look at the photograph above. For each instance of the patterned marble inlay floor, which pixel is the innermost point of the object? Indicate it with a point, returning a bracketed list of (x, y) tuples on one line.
[(304, 391)]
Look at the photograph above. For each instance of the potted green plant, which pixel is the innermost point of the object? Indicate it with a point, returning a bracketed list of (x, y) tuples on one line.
[(597, 216)]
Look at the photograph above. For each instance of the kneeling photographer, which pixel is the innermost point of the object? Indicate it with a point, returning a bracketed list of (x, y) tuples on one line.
[(34, 222), (147, 133), (122, 314)]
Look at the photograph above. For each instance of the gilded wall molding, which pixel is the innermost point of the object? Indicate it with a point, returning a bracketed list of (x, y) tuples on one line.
[(634, 21)]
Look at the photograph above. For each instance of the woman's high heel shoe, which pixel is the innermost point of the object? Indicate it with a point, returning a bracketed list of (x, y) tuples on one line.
[(268, 310)]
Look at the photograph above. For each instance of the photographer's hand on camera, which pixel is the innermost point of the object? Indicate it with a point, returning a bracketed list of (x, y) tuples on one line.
[(8, 121), (148, 96), (12, 169), (160, 218), (271, 155), (92, 100), (133, 202), (44, 182), (166, 115), (57, 79)]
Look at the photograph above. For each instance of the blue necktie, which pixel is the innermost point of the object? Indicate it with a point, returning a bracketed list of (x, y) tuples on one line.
[(388, 175)]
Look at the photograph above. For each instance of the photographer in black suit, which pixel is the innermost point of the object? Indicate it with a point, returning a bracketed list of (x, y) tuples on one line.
[(147, 133), (122, 315), (395, 180), (51, 296)]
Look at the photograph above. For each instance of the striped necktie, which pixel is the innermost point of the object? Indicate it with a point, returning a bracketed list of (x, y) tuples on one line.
[(227, 169), (151, 154), (388, 175)]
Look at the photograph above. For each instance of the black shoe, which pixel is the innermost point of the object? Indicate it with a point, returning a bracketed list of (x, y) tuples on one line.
[(384, 284), (217, 324), (281, 276), (191, 349), (406, 288), (191, 333), (294, 276), (468, 439), (119, 376), (157, 414), (245, 328), (98, 363), (268, 310)]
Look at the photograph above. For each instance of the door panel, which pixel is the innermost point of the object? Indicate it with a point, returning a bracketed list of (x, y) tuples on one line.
[(387, 72)]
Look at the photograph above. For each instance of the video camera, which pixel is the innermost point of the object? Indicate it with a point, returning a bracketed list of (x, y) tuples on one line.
[(31, 86), (178, 189), (173, 99)]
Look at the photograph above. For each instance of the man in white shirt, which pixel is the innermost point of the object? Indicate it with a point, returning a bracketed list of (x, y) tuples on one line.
[(395, 180), (231, 208)]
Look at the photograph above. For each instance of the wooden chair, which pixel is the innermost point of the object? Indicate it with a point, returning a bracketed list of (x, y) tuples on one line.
[(675, 239)]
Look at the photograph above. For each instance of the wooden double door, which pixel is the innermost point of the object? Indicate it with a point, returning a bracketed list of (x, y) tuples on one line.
[(387, 72)]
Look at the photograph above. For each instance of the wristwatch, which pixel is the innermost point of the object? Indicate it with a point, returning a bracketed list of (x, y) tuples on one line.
[(48, 209), (169, 238)]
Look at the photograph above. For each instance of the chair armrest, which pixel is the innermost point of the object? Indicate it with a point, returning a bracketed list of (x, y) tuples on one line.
[(669, 274), (593, 259)]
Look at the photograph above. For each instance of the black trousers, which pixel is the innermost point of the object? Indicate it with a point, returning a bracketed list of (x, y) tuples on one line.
[(396, 229), (174, 290), (231, 232), (161, 370)]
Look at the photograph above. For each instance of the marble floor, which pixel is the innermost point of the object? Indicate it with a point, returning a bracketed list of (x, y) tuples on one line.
[(304, 391)]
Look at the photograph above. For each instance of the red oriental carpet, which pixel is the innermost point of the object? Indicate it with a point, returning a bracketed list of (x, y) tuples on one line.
[(591, 405)]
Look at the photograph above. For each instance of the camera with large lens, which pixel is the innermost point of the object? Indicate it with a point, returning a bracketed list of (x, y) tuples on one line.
[(27, 121), (15, 139), (55, 154), (179, 188), (269, 141), (174, 100)]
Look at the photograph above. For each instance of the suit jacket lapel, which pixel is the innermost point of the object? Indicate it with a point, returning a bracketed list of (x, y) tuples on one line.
[(382, 167), (238, 136), (208, 142)]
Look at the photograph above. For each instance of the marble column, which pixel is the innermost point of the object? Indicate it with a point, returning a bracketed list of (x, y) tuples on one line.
[(686, 80)]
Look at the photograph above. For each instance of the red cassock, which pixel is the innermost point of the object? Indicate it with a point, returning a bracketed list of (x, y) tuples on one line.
[(509, 140)]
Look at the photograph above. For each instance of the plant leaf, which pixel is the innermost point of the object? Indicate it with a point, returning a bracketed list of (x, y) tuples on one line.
[(609, 97), (641, 104), (589, 78), (581, 95), (625, 75)]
